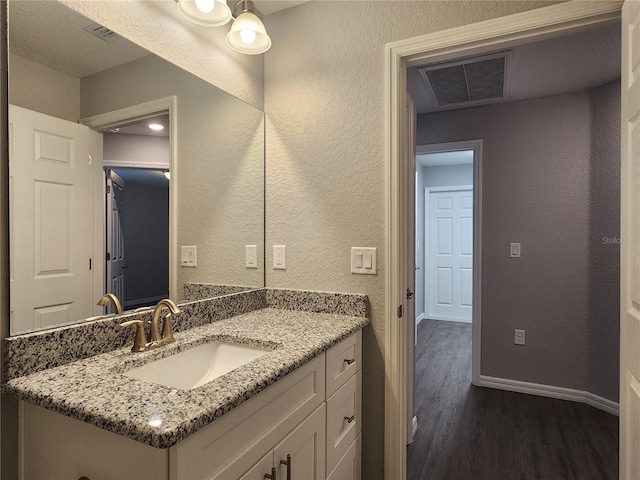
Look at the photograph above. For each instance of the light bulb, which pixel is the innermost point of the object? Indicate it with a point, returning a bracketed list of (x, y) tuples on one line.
[(205, 6), (248, 36)]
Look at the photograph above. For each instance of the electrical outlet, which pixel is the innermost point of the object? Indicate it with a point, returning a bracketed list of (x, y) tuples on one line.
[(519, 337)]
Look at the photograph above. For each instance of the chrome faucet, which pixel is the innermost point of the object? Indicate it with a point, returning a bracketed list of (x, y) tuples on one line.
[(140, 344), (110, 297)]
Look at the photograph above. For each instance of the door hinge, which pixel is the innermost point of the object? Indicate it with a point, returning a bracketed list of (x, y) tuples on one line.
[(107, 188), (400, 311), (89, 264), (108, 256)]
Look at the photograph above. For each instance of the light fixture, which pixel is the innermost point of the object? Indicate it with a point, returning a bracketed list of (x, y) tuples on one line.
[(156, 127), (208, 13), (247, 34)]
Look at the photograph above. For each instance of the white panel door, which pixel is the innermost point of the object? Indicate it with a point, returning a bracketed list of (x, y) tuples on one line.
[(450, 255), (630, 246), (51, 224)]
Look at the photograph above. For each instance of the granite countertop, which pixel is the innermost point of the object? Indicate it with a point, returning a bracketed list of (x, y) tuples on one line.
[(96, 391)]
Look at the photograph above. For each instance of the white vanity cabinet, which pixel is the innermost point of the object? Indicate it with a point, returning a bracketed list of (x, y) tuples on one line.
[(313, 414)]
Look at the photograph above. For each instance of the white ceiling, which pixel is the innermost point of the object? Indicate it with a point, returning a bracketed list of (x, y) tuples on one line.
[(552, 67), (271, 6), (51, 34), (439, 159)]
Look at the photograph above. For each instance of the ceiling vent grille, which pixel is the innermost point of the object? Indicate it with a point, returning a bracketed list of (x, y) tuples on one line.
[(103, 33), (473, 81)]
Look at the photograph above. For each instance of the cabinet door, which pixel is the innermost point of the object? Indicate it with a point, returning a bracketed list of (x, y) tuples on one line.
[(306, 444), (241, 469)]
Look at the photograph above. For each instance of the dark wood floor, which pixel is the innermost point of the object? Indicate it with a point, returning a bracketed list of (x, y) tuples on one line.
[(468, 432)]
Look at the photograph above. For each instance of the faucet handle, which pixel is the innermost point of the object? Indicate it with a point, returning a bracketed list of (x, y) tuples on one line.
[(167, 330), (139, 344)]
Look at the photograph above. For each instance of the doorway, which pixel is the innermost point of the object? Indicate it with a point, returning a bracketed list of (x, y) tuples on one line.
[(557, 20)]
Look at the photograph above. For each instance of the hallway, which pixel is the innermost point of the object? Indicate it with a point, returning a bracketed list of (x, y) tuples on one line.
[(467, 432)]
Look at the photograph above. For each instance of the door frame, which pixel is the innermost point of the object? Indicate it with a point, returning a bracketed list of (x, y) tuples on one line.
[(138, 112), (503, 32), (476, 321)]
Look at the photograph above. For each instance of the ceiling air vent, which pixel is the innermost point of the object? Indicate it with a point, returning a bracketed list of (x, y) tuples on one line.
[(103, 33), (473, 81)]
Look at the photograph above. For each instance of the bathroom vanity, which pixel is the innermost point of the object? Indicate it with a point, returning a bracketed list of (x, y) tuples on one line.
[(292, 413)]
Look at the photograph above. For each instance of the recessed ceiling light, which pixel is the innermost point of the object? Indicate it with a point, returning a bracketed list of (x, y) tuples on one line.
[(115, 130), (156, 126)]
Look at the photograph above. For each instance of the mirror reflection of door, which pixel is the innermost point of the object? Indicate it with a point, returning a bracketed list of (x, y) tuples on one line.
[(50, 224), (115, 236), (136, 160)]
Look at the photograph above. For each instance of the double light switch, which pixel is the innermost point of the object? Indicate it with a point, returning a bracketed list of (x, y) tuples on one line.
[(364, 260)]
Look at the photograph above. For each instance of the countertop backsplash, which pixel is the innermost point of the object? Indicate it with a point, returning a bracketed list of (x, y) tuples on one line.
[(33, 352)]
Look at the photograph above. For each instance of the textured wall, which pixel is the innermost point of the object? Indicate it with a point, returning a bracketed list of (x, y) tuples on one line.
[(159, 27), (324, 99), (604, 256), (539, 189), (220, 163), (448, 175), (43, 89)]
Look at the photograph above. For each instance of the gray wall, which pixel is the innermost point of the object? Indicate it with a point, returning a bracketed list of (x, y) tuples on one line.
[(538, 190), (146, 227), (604, 257), (43, 89)]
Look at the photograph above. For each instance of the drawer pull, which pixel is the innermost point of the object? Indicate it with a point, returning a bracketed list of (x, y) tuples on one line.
[(287, 462), (349, 361), (350, 419), (272, 476)]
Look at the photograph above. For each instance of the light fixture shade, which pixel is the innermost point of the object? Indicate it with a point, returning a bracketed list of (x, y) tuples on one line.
[(242, 32), (219, 15)]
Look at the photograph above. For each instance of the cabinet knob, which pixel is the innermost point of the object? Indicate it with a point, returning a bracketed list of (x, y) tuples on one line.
[(350, 419), (349, 361), (271, 476), (287, 462)]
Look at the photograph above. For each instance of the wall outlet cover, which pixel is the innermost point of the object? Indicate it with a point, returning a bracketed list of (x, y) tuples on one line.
[(279, 257), (519, 337)]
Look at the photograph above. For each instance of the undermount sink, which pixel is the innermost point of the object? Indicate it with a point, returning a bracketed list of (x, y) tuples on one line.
[(197, 366)]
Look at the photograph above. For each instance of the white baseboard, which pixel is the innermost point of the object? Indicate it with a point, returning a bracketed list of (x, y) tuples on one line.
[(551, 391), (442, 319), (420, 318)]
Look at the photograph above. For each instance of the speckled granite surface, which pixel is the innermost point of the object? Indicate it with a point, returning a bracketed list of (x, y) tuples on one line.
[(34, 352), (200, 291), (94, 390), (319, 302)]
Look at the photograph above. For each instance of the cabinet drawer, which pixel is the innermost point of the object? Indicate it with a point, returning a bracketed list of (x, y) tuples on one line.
[(253, 427), (343, 361), (343, 419), (348, 467)]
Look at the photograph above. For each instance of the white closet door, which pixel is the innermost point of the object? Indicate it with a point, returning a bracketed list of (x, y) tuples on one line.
[(450, 234)]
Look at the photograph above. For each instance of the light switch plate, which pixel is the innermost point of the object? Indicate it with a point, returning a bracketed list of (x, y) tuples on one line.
[(514, 250), (364, 260), (189, 256), (279, 257), (251, 256)]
